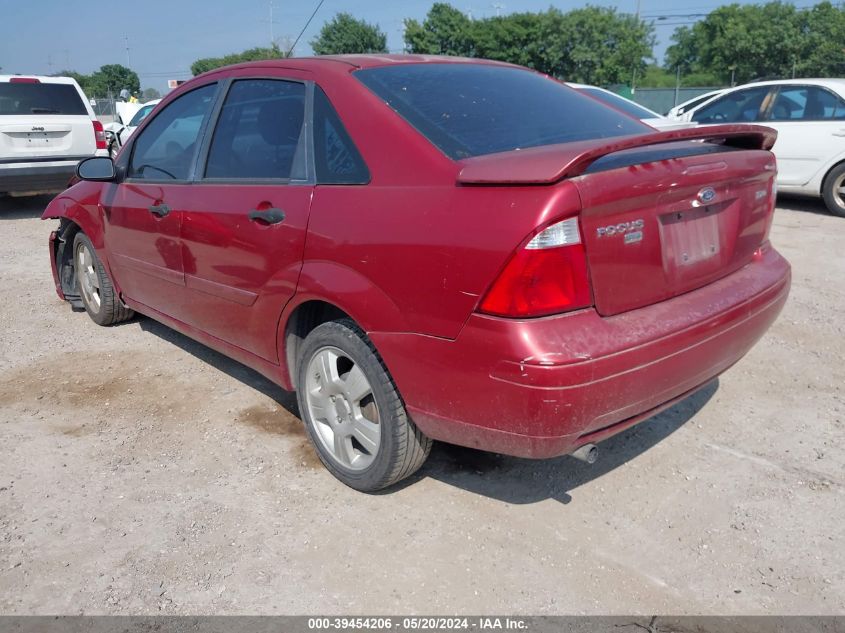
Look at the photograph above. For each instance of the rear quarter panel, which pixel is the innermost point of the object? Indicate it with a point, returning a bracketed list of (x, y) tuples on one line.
[(432, 250)]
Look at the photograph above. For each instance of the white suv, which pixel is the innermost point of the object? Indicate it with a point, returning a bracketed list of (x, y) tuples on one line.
[(46, 127)]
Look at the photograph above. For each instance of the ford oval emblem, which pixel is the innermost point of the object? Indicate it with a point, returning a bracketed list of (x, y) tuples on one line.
[(707, 195)]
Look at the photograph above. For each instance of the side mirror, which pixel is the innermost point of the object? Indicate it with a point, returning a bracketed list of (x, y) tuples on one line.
[(96, 168)]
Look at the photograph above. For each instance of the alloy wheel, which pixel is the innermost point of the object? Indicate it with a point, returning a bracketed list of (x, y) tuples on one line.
[(86, 275), (343, 409)]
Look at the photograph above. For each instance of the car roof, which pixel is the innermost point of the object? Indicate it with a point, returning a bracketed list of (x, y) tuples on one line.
[(41, 79), (833, 82), (328, 62)]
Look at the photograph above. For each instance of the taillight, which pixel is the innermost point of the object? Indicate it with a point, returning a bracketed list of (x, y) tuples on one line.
[(547, 275), (24, 80), (99, 135), (773, 200)]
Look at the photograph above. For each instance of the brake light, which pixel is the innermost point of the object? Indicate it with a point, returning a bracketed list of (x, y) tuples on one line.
[(547, 275), (99, 135), (24, 80)]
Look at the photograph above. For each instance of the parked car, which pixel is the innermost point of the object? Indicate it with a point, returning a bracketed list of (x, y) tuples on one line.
[(46, 127), (117, 132), (649, 117), (680, 112), (428, 248), (809, 116)]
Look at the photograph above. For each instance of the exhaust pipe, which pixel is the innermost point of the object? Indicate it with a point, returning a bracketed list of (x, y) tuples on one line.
[(588, 453)]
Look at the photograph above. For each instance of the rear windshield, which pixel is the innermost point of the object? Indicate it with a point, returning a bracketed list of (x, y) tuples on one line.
[(620, 103), (31, 98), (473, 109)]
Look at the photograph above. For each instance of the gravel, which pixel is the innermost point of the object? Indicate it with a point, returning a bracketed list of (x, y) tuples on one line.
[(143, 473)]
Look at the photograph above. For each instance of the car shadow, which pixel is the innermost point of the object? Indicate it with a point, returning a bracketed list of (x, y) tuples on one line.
[(806, 204), (230, 367), (24, 207), (507, 479), (524, 481)]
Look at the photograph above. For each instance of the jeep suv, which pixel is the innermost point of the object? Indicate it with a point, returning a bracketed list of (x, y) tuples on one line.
[(46, 127)]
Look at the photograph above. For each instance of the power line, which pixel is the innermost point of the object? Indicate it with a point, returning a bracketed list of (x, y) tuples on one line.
[(296, 41)]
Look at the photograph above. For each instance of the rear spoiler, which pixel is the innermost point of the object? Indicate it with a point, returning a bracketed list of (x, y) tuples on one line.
[(550, 163)]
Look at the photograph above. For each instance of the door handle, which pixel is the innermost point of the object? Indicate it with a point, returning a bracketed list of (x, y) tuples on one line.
[(839, 133), (160, 210), (267, 216)]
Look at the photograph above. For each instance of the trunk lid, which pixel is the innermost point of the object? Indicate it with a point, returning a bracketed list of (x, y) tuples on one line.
[(655, 230), (661, 214), (33, 137)]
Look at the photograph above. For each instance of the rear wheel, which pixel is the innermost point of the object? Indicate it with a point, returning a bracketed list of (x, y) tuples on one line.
[(833, 191), (95, 288), (353, 412)]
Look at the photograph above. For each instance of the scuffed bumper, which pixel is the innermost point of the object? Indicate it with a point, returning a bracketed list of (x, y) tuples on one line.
[(542, 387)]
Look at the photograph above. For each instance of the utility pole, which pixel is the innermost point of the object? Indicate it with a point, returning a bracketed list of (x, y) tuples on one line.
[(128, 58), (677, 83), (271, 21)]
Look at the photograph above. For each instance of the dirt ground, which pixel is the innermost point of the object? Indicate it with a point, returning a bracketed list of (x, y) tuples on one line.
[(142, 473)]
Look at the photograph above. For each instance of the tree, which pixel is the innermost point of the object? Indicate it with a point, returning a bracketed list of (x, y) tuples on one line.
[(445, 31), (112, 78), (516, 38), (597, 45), (590, 45), (344, 34), (84, 81), (149, 94), (748, 42), (253, 54), (822, 51)]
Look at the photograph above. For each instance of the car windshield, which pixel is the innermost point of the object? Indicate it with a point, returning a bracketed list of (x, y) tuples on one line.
[(40, 98), (620, 103), (140, 115), (474, 109)]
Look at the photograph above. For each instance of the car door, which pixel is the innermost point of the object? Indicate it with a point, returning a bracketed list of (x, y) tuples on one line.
[(810, 121), (143, 212), (243, 231)]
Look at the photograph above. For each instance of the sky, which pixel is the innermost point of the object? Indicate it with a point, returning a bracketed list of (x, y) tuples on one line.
[(165, 37)]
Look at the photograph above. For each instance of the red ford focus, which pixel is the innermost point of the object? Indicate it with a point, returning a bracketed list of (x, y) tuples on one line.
[(432, 249)]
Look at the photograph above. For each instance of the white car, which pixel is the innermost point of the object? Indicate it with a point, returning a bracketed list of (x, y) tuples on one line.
[(46, 127), (649, 117), (809, 115), (681, 111), (119, 131)]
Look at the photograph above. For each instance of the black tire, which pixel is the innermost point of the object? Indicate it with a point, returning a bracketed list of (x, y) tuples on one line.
[(403, 448), (834, 180), (110, 309)]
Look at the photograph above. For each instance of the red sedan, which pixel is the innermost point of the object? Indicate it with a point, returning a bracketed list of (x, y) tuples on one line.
[(432, 248)]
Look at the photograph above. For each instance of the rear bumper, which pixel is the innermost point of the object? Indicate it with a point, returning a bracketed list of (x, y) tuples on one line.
[(542, 387), (47, 177)]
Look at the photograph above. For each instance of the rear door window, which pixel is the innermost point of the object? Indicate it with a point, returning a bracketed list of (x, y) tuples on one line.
[(806, 103), (259, 132), (41, 99), (337, 159), (742, 106), (474, 109), (165, 149)]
